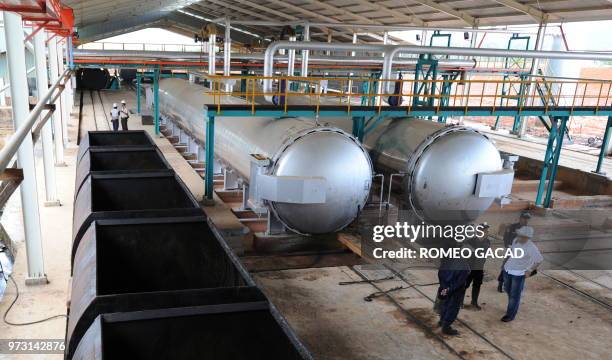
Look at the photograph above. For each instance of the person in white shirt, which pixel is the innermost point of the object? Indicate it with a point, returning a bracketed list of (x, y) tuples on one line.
[(124, 114), (517, 269), (115, 117)]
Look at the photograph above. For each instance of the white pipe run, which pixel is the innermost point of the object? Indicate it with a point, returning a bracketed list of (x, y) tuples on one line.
[(212, 39), (394, 50), (390, 51), (57, 117), (25, 127), (227, 55), (312, 59), (42, 85), (21, 143), (305, 53), (275, 46)]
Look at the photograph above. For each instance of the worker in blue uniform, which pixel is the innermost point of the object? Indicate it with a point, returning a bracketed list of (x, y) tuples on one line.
[(452, 275), (482, 243)]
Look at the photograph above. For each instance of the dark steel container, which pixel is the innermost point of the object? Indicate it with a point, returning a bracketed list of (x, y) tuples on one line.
[(244, 331), (95, 139), (153, 264), (125, 196), (118, 160)]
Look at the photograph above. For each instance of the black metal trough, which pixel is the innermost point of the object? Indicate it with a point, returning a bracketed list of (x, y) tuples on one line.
[(95, 139), (246, 331), (153, 264), (119, 160), (125, 196)]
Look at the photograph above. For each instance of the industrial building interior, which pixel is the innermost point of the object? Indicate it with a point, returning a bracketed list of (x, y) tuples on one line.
[(257, 206)]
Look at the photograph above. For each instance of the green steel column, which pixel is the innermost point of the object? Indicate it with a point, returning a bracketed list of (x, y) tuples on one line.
[(555, 164), (210, 157), (552, 136), (604, 145), (138, 91), (551, 161), (156, 99), (358, 127)]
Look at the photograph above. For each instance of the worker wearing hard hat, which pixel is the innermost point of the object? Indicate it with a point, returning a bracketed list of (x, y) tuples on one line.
[(516, 269), (115, 117), (124, 114), (509, 236)]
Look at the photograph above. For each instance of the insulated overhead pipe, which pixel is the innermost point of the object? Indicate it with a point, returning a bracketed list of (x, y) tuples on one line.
[(393, 50)]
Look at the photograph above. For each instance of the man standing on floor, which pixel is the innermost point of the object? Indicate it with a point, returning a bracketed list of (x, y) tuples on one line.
[(480, 243), (124, 114), (516, 269), (452, 276), (509, 236), (115, 117)]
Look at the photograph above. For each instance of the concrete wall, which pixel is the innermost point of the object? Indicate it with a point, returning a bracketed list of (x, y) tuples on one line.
[(582, 182)]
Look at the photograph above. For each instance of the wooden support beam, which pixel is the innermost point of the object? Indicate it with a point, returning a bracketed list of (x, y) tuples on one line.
[(11, 174)]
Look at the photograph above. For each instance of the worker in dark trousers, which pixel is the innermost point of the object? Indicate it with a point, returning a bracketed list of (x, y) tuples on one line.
[(509, 236), (124, 114), (452, 276), (479, 242), (114, 113)]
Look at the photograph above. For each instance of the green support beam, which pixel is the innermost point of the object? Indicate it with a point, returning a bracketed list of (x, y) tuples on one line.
[(156, 100), (138, 92), (359, 127), (210, 157), (551, 161), (604, 146)]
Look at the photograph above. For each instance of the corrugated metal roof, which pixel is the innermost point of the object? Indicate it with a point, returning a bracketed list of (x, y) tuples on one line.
[(97, 18)]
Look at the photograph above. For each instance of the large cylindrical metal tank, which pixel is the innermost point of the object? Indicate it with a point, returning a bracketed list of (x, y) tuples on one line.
[(440, 164), (296, 147)]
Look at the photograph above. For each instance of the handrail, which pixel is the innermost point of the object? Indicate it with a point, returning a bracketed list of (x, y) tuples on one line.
[(480, 93), (13, 143)]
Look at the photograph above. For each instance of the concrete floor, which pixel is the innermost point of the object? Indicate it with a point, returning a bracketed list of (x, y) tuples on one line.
[(334, 321)]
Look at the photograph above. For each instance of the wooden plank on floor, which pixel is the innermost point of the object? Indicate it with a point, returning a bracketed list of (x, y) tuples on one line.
[(352, 242)]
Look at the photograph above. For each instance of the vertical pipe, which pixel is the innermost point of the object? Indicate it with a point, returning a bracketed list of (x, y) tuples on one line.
[(42, 86), (291, 60), (350, 82), (156, 99), (68, 89), (535, 63), (305, 53), (64, 96), (70, 52), (15, 54), (138, 95), (212, 39), (604, 146), (58, 136), (210, 158), (227, 55)]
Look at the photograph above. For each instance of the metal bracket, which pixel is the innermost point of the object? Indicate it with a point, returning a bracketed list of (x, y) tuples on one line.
[(231, 180), (283, 189), (497, 184)]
